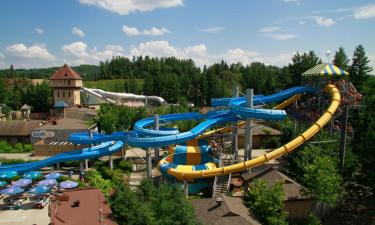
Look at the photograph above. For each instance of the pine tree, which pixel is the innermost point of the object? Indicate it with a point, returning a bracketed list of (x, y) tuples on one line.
[(341, 60), (360, 68)]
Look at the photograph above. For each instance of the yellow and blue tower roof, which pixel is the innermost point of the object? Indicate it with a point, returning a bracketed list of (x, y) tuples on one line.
[(326, 69)]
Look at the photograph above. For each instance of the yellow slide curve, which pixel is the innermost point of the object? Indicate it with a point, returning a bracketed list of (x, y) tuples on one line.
[(290, 146)]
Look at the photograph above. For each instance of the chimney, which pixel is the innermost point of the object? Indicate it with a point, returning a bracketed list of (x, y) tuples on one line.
[(219, 201)]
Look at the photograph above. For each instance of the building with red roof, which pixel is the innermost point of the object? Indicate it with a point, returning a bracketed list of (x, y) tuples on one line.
[(66, 84)]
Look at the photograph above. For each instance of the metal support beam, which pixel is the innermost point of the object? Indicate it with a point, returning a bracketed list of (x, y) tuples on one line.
[(186, 189), (248, 123), (343, 136), (111, 162), (156, 127), (149, 163), (58, 166), (86, 164), (235, 92)]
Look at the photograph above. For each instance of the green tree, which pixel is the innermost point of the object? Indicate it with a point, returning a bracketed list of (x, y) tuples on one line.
[(341, 60), (323, 181), (267, 203), (360, 69), (3, 90), (301, 63)]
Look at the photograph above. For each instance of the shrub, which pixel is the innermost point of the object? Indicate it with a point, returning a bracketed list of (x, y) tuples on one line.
[(96, 180), (126, 166), (267, 203)]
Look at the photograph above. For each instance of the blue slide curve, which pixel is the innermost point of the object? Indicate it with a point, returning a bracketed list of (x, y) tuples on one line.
[(145, 137)]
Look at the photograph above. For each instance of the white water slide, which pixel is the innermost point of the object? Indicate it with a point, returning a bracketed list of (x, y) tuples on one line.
[(111, 96)]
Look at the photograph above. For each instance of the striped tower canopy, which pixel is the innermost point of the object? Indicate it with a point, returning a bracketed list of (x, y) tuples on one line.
[(325, 70)]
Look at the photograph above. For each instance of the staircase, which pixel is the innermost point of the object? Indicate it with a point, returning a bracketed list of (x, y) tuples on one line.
[(221, 183)]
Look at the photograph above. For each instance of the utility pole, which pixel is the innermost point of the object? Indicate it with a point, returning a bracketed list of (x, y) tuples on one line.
[(235, 92), (343, 135)]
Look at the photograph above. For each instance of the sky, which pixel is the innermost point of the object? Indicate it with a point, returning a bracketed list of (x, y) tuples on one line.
[(44, 33)]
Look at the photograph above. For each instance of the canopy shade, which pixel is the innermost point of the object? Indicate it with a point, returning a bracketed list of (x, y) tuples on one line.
[(40, 189), (12, 190), (22, 182), (53, 175), (32, 175), (325, 70), (49, 182), (8, 175), (2, 183), (68, 184)]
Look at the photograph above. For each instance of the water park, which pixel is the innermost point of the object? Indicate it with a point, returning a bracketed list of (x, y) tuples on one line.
[(205, 160)]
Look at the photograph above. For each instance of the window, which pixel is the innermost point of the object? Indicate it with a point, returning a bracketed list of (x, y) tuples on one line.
[(58, 94), (63, 94), (70, 94)]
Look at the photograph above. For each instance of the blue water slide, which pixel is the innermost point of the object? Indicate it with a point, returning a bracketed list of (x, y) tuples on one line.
[(106, 148)]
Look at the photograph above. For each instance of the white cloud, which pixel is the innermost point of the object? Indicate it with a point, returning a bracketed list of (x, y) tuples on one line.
[(214, 29), (78, 53), (297, 2), (365, 12), (200, 55), (324, 21), (283, 37), (21, 51), (197, 50), (302, 22), (77, 31), (155, 49), (115, 48), (131, 31), (124, 7), (270, 29), (39, 30), (154, 31), (2, 56)]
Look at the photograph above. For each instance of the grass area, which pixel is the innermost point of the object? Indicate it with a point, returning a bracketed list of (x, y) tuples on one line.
[(117, 85)]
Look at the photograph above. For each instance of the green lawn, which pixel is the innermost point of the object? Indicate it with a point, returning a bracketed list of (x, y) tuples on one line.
[(116, 85)]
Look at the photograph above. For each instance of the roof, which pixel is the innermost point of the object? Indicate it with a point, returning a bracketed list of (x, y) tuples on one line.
[(65, 73), (91, 201), (230, 211), (65, 124), (292, 189), (25, 107), (326, 69), (18, 127), (60, 104), (260, 129)]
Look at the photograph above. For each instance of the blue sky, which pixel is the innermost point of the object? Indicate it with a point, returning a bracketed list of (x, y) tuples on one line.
[(42, 33)]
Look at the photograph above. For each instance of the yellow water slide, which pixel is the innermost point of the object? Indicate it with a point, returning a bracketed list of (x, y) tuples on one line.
[(292, 145)]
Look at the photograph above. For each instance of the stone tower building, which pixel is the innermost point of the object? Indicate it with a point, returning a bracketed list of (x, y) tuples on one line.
[(66, 84)]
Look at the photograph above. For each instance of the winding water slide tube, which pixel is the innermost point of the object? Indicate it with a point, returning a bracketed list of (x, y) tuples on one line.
[(103, 149), (290, 146), (108, 95)]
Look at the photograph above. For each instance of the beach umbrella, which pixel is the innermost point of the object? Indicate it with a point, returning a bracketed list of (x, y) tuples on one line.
[(8, 174), (48, 182), (13, 190), (32, 174), (68, 184), (40, 189), (2, 183), (53, 175), (22, 182)]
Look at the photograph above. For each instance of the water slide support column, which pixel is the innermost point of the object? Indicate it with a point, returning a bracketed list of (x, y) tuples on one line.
[(186, 189), (235, 92), (248, 130), (156, 127), (343, 138), (149, 163), (111, 162)]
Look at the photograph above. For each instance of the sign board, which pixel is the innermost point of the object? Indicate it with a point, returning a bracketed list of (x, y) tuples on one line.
[(42, 134)]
